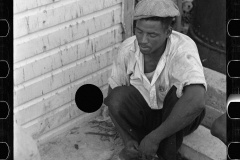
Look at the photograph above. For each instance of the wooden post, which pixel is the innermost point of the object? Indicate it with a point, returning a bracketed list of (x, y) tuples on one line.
[(128, 10)]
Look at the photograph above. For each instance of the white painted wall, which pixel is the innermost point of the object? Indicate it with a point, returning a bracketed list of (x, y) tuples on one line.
[(60, 45)]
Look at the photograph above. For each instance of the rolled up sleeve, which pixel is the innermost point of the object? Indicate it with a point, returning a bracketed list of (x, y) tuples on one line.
[(186, 69)]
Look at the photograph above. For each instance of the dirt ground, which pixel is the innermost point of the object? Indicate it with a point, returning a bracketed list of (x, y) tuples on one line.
[(94, 140)]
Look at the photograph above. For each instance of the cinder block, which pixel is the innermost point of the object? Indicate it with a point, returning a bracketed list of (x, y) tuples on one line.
[(201, 145), (216, 93), (211, 115)]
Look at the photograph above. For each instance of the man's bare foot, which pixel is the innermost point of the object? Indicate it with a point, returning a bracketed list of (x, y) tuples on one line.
[(130, 152), (123, 155)]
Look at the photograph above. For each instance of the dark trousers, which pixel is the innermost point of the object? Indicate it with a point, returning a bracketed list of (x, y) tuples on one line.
[(132, 114)]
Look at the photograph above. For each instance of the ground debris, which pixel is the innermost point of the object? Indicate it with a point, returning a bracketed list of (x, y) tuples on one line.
[(75, 130), (76, 146)]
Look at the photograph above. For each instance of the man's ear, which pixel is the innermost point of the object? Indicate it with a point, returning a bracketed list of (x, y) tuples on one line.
[(169, 31)]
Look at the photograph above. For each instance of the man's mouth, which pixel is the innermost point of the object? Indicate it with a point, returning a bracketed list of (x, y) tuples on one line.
[(144, 48)]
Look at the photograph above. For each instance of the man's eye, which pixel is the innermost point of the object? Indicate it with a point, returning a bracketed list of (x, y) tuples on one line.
[(153, 35)]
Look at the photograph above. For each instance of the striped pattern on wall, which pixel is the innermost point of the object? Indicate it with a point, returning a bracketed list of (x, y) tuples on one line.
[(60, 45)]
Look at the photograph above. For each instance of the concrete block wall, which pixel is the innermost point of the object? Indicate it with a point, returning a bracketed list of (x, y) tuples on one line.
[(60, 45), (216, 96)]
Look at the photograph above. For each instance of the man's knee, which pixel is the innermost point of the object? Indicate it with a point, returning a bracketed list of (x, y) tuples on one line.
[(214, 128), (219, 126), (115, 100)]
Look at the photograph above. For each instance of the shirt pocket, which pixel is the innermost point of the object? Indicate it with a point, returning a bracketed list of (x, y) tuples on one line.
[(161, 91)]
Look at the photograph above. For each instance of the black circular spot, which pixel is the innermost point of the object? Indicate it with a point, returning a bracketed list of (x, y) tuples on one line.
[(89, 98)]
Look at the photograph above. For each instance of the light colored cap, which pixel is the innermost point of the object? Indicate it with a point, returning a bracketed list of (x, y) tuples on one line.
[(155, 8)]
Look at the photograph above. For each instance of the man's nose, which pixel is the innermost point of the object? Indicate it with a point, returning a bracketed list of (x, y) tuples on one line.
[(144, 38)]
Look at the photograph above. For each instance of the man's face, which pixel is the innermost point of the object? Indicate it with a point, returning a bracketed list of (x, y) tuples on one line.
[(150, 35)]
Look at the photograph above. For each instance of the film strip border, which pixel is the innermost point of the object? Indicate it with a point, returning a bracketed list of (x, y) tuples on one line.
[(233, 79), (6, 79)]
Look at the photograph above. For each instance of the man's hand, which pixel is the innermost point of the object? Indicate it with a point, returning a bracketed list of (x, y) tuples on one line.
[(148, 147), (132, 149)]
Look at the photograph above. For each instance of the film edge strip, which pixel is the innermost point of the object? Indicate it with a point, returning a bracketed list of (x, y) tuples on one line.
[(4, 76), (233, 76)]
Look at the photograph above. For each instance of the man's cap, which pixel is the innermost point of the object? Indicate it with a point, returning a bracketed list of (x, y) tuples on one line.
[(155, 8)]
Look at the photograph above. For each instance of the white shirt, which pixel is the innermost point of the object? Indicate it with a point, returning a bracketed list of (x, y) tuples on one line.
[(179, 65)]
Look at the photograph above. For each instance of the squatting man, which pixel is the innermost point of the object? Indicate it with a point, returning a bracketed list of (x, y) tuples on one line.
[(157, 85)]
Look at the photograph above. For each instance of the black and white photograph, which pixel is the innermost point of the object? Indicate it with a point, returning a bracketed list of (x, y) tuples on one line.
[(119, 80)]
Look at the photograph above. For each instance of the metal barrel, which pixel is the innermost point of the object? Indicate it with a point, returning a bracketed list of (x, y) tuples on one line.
[(208, 30)]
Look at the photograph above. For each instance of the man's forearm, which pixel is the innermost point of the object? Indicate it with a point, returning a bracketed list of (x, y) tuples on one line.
[(184, 112)]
